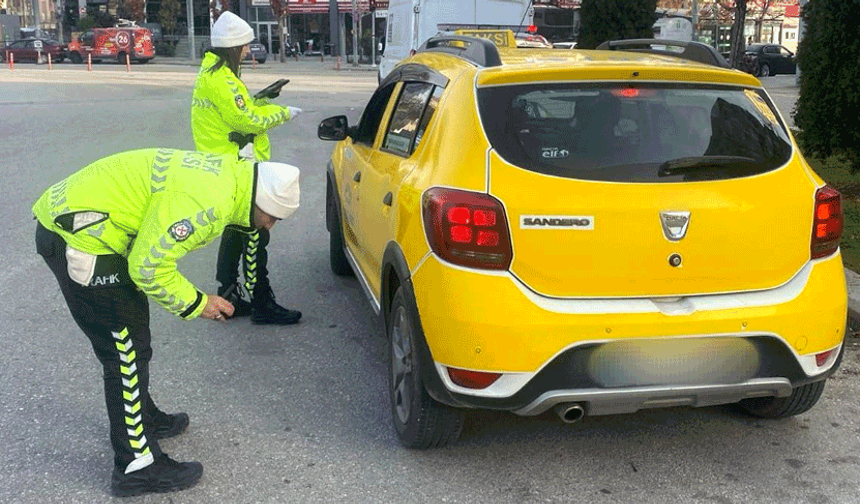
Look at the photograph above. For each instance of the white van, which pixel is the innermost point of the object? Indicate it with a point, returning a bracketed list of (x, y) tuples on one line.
[(673, 28), (412, 22)]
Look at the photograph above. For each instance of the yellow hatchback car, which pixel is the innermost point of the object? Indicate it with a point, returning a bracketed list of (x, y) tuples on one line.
[(589, 231)]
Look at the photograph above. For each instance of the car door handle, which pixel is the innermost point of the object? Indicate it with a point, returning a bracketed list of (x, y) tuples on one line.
[(357, 176), (387, 199)]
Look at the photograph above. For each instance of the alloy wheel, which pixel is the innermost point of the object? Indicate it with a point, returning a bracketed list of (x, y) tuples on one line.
[(401, 364)]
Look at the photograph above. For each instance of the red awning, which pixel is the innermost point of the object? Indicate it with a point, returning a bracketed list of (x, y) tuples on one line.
[(321, 6)]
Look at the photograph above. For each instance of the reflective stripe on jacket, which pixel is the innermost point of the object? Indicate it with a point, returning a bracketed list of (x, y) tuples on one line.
[(221, 104), (152, 206)]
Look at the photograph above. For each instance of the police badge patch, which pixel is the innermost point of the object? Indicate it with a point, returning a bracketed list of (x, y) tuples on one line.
[(181, 230), (240, 102)]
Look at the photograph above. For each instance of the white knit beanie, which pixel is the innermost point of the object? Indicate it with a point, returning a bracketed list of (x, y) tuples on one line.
[(277, 189), (230, 30)]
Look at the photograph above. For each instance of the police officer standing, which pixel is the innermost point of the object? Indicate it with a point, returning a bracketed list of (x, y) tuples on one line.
[(112, 233), (225, 119)]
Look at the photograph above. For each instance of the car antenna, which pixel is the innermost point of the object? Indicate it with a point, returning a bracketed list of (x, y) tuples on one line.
[(529, 6)]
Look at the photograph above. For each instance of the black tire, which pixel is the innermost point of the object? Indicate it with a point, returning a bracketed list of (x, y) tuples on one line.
[(143, 60), (75, 58), (801, 400), (764, 70), (420, 421), (336, 253)]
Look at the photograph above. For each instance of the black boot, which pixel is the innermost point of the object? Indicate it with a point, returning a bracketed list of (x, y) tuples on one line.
[(265, 310), (163, 475), (236, 295), (166, 426)]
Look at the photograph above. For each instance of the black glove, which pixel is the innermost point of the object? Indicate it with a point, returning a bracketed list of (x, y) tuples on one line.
[(240, 139)]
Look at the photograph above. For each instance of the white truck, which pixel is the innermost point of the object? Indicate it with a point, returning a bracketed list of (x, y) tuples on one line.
[(412, 22)]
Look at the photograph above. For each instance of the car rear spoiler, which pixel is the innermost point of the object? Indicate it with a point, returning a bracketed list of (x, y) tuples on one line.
[(688, 50), (479, 51)]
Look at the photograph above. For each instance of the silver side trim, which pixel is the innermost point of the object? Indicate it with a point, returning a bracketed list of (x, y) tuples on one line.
[(362, 280), (632, 399)]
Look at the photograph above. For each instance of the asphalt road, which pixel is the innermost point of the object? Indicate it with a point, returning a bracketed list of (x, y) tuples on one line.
[(301, 414)]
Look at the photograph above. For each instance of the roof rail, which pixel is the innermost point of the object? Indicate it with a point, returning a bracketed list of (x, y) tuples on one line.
[(693, 51), (479, 51)]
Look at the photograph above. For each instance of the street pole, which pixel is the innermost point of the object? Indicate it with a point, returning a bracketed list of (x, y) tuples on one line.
[(801, 29), (190, 13), (61, 16), (373, 38), (38, 30), (334, 33), (695, 19), (354, 33)]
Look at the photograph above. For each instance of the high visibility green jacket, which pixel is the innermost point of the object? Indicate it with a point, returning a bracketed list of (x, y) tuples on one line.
[(152, 206), (220, 105)]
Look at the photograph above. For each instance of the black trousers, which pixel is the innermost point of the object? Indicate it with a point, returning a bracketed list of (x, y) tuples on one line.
[(254, 259), (116, 321)]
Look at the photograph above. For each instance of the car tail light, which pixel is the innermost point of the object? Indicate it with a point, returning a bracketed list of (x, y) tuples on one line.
[(827, 222), (472, 379), (467, 228)]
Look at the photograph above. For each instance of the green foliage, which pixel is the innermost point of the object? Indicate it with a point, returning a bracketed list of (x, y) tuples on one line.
[(604, 20), (828, 108), (167, 15), (104, 19), (165, 49), (86, 23)]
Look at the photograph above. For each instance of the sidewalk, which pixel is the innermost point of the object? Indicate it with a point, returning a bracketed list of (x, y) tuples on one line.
[(310, 64)]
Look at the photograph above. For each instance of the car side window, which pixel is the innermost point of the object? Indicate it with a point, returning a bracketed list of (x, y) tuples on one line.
[(407, 118), (372, 115), (785, 52)]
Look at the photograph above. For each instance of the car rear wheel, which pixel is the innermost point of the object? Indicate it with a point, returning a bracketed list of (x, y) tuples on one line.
[(801, 400), (420, 421), (764, 70), (75, 57)]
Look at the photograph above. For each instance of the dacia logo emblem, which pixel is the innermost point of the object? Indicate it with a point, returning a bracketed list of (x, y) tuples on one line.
[(675, 225)]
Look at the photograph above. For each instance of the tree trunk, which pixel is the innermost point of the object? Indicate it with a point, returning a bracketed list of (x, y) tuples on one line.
[(283, 54), (738, 42)]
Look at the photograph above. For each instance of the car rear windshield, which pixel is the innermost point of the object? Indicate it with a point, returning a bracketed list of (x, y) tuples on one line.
[(648, 133)]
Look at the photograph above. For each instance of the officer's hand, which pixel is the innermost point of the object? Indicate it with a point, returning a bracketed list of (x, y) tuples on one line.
[(217, 308), (294, 112)]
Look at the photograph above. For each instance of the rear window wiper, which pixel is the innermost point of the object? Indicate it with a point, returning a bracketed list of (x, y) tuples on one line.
[(699, 163)]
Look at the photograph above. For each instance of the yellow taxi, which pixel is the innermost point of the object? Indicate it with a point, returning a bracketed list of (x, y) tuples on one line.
[(587, 231)]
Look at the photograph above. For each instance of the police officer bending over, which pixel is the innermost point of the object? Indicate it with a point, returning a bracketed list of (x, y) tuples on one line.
[(112, 234)]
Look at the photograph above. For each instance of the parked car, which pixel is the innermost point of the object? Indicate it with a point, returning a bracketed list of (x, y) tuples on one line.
[(771, 59), (531, 40), (595, 235), (258, 52), (31, 48)]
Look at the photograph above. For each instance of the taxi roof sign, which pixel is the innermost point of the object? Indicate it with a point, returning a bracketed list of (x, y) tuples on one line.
[(499, 38)]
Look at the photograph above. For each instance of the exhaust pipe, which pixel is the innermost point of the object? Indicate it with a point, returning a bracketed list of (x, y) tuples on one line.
[(569, 412)]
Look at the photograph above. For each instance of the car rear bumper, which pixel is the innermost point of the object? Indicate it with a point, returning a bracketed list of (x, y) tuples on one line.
[(710, 349)]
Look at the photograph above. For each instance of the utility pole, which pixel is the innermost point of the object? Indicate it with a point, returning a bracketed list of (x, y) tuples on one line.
[(372, 34), (38, 29), (355, 32), (801, 29), (190, 13), (695, 19), (334, 33)]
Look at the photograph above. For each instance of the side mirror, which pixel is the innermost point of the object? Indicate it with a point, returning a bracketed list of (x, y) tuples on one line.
[(333, 128)]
